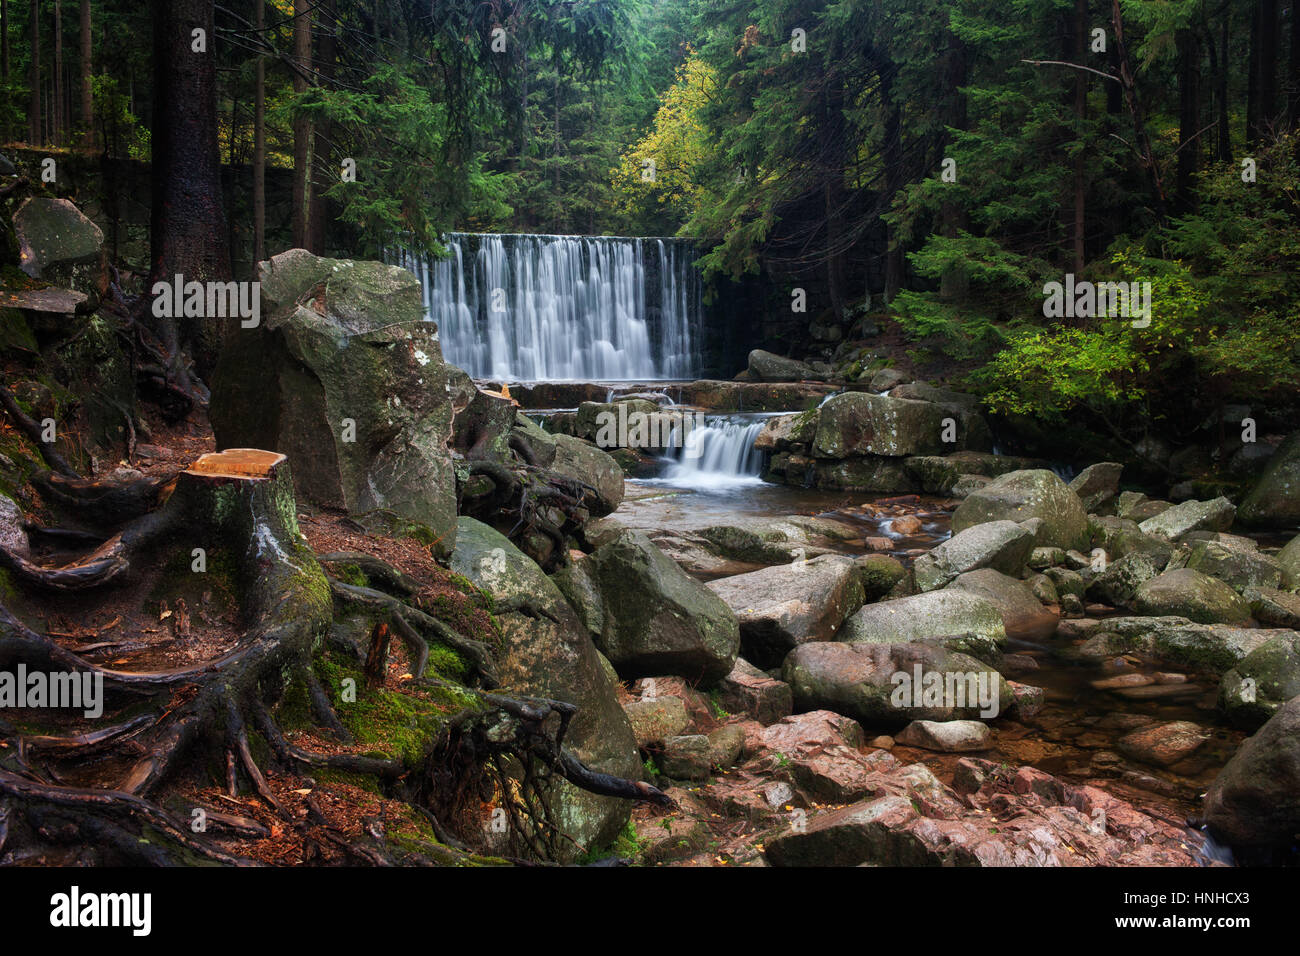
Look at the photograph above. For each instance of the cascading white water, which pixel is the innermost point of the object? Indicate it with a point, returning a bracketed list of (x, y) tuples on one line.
[(563, 308), (718, 454)]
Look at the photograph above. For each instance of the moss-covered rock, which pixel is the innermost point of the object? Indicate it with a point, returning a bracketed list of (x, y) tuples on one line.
[(549, 654), (654, 619), (1021, 495), (346, 377), (1193, 595), (1275, 498), (1262, 682)]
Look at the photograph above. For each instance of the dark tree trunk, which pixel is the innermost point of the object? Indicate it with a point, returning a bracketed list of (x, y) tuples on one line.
[(1295, 65), (259, 149), (1189, 119), (1267, 81), (87, 101), (1220, 69), (34, 104), (893, 161), (301, 125), (1080, 226), (323, 171), (1252, 78), (188, 223), (56, 114)]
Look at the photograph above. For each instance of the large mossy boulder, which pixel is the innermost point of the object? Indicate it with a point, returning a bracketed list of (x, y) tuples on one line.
[(548, 653), (345, 376), (1021, 495), (1255, 801), (1023, 615), (769, 367), (1262, 682), (784, 606), (860, 423), (1001, 545), (863, 681), (1190, 516), (1193, 595), (58, 245), (1274, 501), (576, 459), (648, 616), (1239, 568), (1098, 486), (960, 621)]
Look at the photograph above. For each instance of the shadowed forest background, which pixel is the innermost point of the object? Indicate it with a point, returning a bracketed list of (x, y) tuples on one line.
[(801, 145)]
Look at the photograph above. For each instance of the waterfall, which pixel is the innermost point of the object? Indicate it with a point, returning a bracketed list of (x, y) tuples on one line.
[(719, 453), (564, 308)]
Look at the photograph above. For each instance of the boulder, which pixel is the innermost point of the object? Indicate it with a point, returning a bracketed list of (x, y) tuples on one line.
[(1118, 584), (1255, 801), (784, 606), (1021, 495), (547, 653), (1288, 559), (58, 245), (1023, 615), (1136, 506), (1098, 486), (887, 378), (960, 621), (941, 474), (1163, 744), (1190, 516), (1120, 537), (649, 616), (853, 424), (1273, 607), (879, 574), (1274, 501), (877, 683), (748, 690), (768, 367), (577, 459), (949, 736), (1236, 567), (344, 375), (1002, 545), (656, 719), (1193, 595), (785, 431), (1262, 681)]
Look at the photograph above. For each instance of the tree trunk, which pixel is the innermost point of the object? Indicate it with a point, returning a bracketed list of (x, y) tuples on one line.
[(188, 223), (87, 101), (34, 104), (893, 162), (322, 170), (1252, 79), (1295, 64), (1267, 81), (259, 149), (56, 114), (1188, 115), (1220, 69), (4, 40), (1080, 225), (301, 125)]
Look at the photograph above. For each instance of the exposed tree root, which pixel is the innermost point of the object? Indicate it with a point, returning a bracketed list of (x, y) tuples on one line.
[(195, 716)]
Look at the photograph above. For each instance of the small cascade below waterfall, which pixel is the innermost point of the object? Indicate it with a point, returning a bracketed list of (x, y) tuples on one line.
[(564, 308), (719, 453)]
